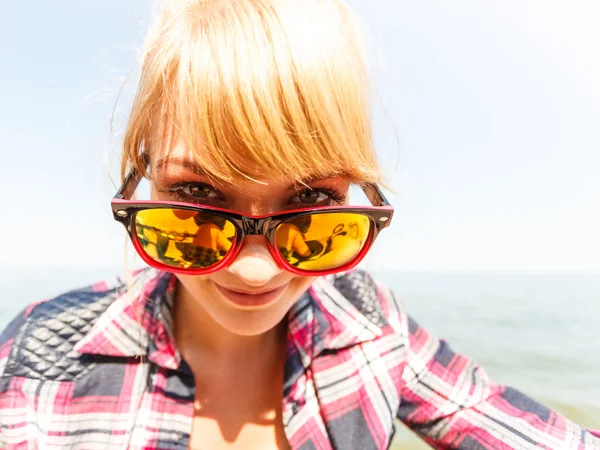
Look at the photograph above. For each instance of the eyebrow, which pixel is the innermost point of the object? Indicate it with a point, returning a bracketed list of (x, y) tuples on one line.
[(196, 168), (182, 162), (305, 183)]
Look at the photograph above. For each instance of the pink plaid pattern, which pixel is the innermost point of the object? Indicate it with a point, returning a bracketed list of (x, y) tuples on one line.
[(354, 366)]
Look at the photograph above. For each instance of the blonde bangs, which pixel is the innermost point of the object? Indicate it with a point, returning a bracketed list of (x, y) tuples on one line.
[(256, 89)]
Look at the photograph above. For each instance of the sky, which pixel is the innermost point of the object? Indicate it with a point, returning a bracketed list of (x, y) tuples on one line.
[(486, 119)]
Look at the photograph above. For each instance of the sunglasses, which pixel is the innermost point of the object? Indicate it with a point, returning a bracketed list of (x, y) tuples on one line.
[(195, 239)]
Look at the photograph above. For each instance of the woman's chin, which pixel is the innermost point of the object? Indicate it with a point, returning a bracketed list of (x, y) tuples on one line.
[(244, 311), (247, 316)]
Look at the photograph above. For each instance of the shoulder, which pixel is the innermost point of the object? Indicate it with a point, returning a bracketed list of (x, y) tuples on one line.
[(38, 342)]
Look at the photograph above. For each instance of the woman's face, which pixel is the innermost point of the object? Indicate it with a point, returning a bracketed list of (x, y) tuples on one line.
[(252, 294)]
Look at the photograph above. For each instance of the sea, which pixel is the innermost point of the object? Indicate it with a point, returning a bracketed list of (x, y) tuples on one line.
[(536, 331)]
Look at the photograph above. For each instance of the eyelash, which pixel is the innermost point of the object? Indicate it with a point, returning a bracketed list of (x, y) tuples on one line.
[(335, 197)]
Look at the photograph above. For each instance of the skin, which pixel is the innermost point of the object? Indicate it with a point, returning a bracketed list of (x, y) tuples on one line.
[(236, 353)]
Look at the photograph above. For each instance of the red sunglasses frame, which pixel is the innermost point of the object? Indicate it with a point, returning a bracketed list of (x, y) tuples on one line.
[(125, 210)]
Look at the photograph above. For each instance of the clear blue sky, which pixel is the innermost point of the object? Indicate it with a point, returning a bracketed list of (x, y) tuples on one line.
[(496, 105)]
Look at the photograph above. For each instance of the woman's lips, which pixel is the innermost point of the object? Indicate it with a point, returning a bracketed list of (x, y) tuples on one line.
[(249, 299)]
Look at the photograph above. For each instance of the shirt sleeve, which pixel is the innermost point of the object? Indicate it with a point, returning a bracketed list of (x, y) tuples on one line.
[(451, 402)]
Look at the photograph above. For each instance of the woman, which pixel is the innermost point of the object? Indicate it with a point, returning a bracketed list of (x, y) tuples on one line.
[(255, 114)]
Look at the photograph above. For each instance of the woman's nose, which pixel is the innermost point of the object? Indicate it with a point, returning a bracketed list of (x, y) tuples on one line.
[(254, 264)]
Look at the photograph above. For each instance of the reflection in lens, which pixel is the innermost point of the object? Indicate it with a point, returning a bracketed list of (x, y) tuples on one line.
[(322, 241), (182, 238)]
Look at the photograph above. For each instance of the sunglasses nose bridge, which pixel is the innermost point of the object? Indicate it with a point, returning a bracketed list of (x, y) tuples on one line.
[(256, 226)]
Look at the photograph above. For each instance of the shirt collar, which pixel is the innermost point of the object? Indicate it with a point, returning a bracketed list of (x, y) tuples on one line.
[(139, 322), (324, 319)]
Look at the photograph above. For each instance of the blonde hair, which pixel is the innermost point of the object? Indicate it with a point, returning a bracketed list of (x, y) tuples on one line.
[(256, 87)]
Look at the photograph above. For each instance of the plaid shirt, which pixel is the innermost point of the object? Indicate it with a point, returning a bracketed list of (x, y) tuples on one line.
[(98, 368)]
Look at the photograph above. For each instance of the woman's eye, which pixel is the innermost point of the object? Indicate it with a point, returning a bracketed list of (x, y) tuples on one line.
[(201, 191), (311, 197), (194, 192), (318, 197)]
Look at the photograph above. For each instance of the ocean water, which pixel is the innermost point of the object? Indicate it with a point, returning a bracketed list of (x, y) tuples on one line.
[(538, 332)]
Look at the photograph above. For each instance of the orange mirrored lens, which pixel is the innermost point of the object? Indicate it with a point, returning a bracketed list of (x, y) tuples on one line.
[(184, 239), (322, 241)]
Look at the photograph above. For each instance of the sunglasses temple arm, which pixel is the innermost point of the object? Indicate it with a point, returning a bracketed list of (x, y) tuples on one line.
[(131, 182), (375, 195), (129, 185)]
